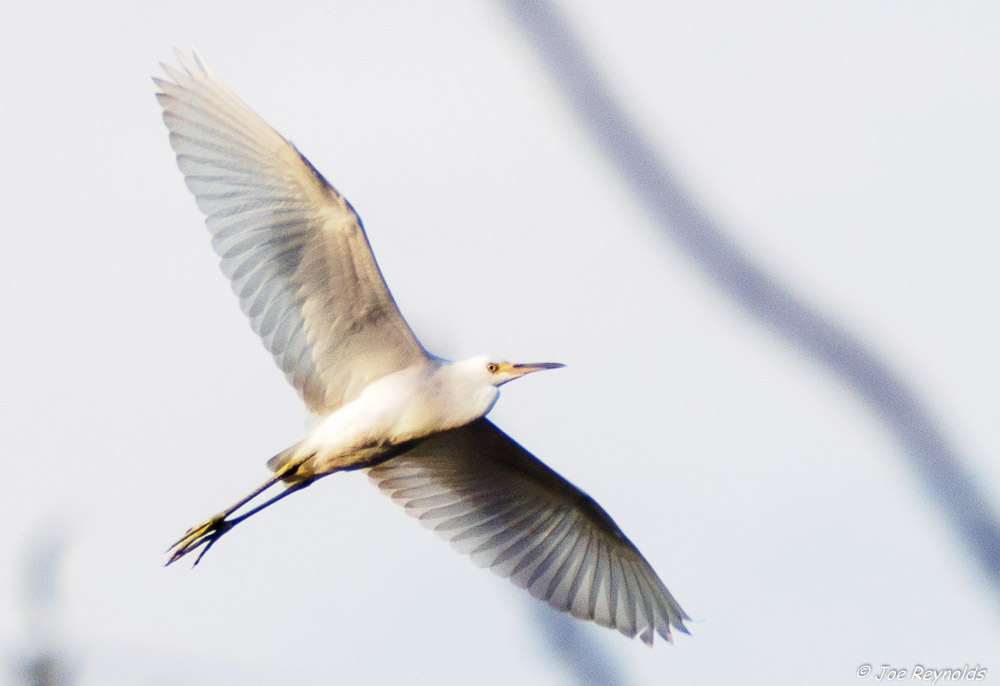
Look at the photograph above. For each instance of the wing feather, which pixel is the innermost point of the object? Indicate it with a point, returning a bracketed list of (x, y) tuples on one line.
[(293, 247), (494, 501)]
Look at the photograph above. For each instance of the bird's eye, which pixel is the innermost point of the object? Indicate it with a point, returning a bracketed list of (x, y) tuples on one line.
[(492, 367)]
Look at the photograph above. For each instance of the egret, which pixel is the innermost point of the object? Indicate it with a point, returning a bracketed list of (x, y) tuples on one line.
[(300, 264)]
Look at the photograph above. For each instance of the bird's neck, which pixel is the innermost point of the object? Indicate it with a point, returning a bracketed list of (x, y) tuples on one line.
[(460, 400)]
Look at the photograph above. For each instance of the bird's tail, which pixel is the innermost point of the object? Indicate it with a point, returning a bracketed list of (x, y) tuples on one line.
[(281, 462), (295, 466)]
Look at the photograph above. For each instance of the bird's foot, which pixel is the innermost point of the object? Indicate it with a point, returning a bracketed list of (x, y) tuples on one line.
[(205, 534), (211, 530)]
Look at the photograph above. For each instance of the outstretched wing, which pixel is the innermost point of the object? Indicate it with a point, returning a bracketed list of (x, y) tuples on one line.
[(490, 498), (293, 247)]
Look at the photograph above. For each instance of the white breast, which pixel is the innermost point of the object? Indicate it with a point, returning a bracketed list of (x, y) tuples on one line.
[(400, 407)]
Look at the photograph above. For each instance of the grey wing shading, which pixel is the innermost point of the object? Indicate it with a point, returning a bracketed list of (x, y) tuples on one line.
[(293, 247), (494, 501)]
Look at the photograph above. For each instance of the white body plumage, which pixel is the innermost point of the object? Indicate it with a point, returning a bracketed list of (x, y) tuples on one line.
[(402, 407)]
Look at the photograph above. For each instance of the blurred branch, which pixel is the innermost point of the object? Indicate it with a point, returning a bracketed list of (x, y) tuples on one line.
[(839, 351), (46, 662), (567, 638)]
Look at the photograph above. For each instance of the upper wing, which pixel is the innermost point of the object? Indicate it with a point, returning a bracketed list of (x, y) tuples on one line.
[(293, 247), (495, 501)]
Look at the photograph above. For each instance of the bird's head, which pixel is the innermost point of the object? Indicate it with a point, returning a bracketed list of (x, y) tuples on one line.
[(471, 387), (494, 372)]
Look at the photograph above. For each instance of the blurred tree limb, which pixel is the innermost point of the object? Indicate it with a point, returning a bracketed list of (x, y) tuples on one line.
[(842, 353)]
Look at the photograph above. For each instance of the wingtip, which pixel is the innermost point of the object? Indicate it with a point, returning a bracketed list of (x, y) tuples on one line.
[(161, 84), (179, 56), (198, 59), (192, 64)]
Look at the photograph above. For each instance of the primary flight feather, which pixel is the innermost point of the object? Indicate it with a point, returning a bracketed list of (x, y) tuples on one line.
[(300, 264)]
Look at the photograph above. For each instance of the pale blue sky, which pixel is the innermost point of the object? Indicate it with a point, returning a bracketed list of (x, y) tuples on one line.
[(854, 147)]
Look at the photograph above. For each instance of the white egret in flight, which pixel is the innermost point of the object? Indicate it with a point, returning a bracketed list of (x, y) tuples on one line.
[(301, 266)]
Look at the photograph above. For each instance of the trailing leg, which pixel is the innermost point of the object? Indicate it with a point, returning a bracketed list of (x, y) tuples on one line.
[(212, 529)]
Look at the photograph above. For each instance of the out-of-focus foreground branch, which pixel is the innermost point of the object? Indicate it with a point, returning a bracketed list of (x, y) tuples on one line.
[(45, 655), (839, 351)]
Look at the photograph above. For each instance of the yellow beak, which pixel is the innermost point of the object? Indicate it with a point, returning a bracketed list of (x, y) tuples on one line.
[(517, 370)]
